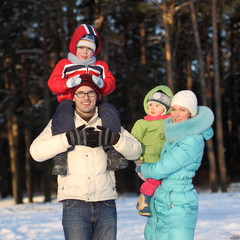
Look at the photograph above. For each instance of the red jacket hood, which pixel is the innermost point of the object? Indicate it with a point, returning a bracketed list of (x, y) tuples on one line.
[(82, 30)]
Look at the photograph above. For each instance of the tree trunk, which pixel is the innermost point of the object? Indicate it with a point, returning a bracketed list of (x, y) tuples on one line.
[(47, 164), (71, 22), (200, 55), (189, 75), (12, 128), (210, 151), (220, 143), (27, 131), (168, 53), (143, 44), (5, 187)]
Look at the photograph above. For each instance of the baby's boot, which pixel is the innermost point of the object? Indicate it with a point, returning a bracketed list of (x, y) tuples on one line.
[(115, 160), (143, 205), (60, 164)]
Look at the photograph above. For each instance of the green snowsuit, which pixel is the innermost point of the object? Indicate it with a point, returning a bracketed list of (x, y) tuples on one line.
[(150, 133)]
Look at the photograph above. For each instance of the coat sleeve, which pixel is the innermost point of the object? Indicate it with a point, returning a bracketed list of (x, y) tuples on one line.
[(46, 146), (128, 145), (138, 131), (185, 152), (108, 79), (56, 82)]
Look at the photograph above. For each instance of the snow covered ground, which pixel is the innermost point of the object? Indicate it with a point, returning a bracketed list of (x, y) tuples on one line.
[(218, 219)]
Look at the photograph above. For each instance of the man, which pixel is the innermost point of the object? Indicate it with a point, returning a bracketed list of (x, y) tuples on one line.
[(88, 191)]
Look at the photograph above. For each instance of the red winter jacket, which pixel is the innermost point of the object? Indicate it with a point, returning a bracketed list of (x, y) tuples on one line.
[(66, 69)]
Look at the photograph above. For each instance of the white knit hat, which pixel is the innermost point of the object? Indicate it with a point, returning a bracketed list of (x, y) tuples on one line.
[(187, 99), (87, 41)]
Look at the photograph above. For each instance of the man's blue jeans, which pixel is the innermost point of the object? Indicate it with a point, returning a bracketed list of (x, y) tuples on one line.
[(89, 220)]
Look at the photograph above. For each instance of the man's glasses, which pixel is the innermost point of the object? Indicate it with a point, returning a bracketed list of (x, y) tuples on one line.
[(82, 94)]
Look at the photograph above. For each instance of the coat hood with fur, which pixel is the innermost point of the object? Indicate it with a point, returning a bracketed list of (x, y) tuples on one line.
[(162, 88)]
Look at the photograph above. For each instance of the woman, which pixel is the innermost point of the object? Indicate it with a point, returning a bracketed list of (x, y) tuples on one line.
[(174, 205)]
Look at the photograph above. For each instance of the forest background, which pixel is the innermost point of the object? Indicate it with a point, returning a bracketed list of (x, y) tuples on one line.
[(183, 44)]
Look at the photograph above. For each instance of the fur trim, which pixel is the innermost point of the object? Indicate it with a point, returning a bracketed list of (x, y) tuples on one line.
[(193, 126)]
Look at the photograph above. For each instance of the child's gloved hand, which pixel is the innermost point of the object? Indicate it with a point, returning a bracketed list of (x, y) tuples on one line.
[(73, 81), (138, 171), (138, 168), (98, 81)]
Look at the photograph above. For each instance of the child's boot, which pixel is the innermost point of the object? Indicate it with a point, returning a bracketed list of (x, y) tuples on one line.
[(115, 160), (143, 205), (60, 164)]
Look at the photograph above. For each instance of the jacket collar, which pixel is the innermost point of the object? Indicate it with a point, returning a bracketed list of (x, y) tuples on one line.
[(200, 124)]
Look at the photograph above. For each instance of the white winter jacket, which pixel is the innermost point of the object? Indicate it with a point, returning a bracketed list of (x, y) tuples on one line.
[(87, 178)]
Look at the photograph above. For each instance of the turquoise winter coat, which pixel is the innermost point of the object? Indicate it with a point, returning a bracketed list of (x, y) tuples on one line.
[(174, 205)]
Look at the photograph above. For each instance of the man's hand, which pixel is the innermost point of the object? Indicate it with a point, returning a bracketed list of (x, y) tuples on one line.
[(86, 137), (101, 138), (91, 138), (81, 136), (107, 137), (73, 81), (77, 136)]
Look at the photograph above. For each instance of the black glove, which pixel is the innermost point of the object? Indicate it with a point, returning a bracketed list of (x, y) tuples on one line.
[(92, 137), (77, 136), (107, 137), (86, 137)]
